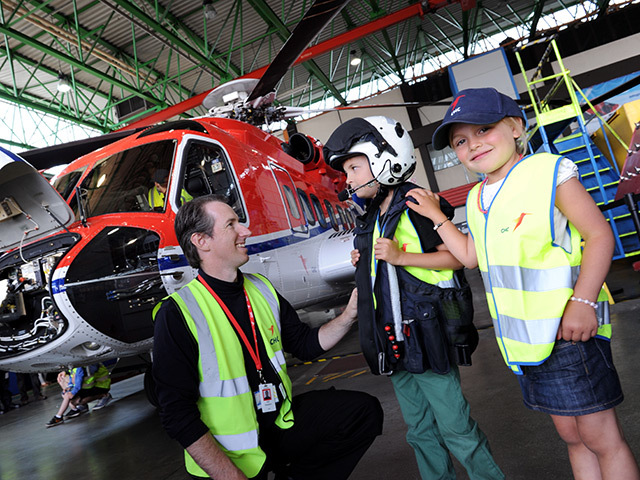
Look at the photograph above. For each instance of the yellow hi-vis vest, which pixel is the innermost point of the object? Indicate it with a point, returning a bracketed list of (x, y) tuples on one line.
[(226, 401), (100, 378), (408, 239), (156, 198), (528, 279)]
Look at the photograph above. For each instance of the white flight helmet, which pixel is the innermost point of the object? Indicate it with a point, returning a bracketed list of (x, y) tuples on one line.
[(390, 153)]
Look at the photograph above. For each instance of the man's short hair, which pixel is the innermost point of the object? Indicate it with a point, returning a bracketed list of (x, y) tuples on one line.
[(192, 218)]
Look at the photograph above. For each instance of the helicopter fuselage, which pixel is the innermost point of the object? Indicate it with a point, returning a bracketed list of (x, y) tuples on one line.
[(86, 292)]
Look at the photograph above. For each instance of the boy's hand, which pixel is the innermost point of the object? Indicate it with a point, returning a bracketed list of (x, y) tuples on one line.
[(355, 256), (388, 250), (579, 323), (426, 203)]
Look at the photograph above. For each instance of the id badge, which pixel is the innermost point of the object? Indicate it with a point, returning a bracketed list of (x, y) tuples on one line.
[(266, 397)]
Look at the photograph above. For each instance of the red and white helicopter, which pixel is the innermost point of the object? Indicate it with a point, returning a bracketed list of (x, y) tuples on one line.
[(84, 264)]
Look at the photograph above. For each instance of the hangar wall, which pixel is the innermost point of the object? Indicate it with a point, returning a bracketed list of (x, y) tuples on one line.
[(590, 67)]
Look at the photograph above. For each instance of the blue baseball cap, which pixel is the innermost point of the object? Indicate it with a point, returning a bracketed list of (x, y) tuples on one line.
[(477, 106)]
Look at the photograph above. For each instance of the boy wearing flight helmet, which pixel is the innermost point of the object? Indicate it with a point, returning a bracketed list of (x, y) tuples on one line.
[(407, 286)]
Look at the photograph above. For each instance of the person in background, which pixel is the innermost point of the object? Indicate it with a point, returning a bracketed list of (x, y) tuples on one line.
[(157, 192), (6, 403), (23, 386), (79, 387)]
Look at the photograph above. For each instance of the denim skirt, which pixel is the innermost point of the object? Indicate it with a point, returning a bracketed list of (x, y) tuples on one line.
[(577, 379)]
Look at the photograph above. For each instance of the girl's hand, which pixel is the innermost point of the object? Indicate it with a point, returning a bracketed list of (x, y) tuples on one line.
[(355, 256), (388, 250), (579, 323), (426, 204)]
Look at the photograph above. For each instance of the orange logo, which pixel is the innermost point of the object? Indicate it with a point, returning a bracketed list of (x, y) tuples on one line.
[(519, 220)]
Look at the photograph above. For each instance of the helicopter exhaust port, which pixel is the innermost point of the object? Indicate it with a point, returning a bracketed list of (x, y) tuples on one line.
[(302, 148)]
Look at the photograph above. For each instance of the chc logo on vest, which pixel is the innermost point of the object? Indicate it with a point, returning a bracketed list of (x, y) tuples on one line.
[(518, 223), (274, 340)]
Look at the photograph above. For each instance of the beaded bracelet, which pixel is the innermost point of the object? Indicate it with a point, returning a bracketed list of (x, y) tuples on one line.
[(582, 300)]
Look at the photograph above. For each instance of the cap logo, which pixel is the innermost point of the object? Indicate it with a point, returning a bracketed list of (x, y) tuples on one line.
[(455, 110)]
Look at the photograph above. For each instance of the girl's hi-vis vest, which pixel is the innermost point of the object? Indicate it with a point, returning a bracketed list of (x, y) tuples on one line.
[(528, 279), (226, 403)]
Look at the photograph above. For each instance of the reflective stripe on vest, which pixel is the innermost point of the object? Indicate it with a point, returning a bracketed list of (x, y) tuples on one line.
[(101, 378), (226, 403), (210, 385), (528, 279)]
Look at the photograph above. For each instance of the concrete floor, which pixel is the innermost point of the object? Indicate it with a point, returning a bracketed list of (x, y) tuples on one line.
[(125, 440)]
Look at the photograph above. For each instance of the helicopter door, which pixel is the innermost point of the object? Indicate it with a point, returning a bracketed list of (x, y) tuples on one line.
[(287, 189)]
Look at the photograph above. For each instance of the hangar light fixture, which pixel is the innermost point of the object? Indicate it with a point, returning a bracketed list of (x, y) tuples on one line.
[(355, 59), (209, 10), (63, 84)]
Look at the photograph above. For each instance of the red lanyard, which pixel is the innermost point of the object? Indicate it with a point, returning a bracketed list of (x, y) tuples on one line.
[(254, 354)]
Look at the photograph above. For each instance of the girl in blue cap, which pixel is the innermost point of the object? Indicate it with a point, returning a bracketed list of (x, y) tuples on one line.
[(526, 220)]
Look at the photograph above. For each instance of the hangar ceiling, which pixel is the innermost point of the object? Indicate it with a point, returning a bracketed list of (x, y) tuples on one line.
[(126, 59)]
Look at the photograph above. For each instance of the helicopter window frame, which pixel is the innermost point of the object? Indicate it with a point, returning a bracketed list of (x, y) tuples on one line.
[(307, 210), (317, 207), (69, 188), (222, 159), (343, 217), (291, 201), (332, 215)]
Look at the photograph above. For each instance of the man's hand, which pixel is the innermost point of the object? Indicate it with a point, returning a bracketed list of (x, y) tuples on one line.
[(332, 332), (351, 310), (388, 250), (579, 323)]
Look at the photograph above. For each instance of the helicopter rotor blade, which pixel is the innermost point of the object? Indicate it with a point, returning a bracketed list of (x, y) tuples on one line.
[(316, 18)]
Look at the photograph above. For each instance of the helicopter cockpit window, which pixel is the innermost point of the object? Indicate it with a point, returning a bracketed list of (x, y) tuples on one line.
[(128, 181), (317, 206), (332, 215), (207, 171), (66, 183)]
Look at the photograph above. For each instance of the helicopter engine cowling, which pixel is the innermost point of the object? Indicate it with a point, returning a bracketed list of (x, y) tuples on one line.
[(334, 258)]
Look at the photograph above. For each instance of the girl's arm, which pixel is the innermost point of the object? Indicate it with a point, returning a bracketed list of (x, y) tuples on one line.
[(460, 245), (579, 322), (389, 251)]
